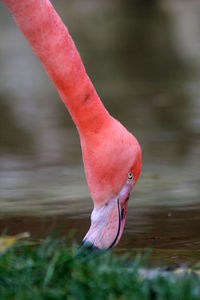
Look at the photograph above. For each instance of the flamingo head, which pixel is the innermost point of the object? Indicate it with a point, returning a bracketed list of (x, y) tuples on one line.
[(112, 164)]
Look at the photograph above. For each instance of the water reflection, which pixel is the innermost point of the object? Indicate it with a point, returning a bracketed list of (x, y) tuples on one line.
[(132, 53), (13, 137)]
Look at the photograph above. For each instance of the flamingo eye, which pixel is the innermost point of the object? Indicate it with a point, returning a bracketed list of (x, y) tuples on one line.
[(130, 175)]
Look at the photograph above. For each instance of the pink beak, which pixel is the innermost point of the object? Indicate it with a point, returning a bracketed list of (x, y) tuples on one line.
[(107, 221)]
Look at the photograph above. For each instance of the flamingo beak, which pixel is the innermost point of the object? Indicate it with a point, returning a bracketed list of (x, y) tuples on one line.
[(107, 221)]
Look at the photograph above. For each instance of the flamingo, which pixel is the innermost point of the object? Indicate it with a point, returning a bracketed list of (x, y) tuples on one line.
[(111, 154)]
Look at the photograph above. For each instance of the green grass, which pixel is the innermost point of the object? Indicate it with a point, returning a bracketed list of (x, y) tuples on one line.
[(54, 271)]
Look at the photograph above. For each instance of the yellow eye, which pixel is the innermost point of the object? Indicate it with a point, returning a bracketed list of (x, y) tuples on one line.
[(130, 175)]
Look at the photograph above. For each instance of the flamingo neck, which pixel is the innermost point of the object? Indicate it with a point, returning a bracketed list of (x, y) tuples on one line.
[(52, 43)]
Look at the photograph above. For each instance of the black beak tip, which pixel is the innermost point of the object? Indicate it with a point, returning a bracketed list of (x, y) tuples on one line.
[(88, 246), (87, 250)]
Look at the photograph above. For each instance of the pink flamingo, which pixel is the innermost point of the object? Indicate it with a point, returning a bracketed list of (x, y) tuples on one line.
[(111, 154)]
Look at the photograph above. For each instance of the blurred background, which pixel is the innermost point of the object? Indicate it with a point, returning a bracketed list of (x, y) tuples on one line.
[(144, 60)]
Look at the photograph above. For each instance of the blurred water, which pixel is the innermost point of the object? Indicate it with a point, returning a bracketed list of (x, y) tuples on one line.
[(144, 59)]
